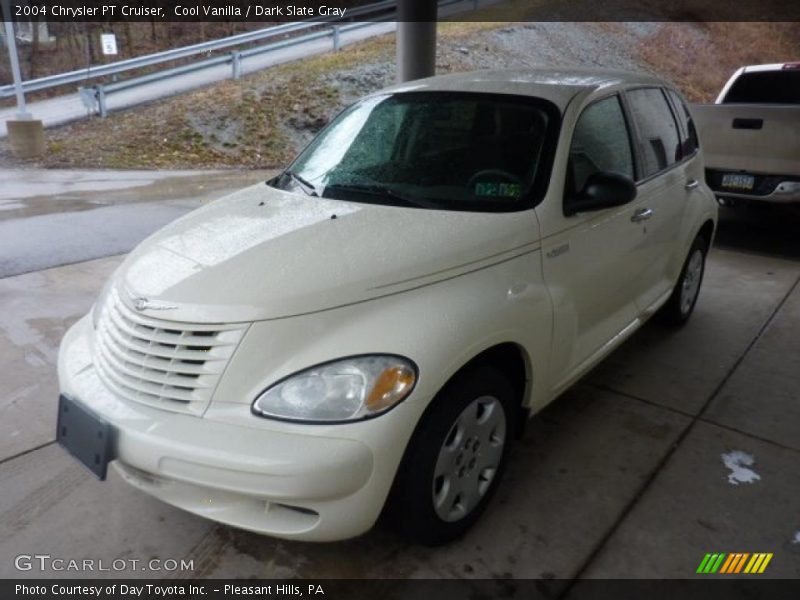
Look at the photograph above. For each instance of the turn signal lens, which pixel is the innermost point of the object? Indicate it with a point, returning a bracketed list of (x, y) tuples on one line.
[(393, 383)]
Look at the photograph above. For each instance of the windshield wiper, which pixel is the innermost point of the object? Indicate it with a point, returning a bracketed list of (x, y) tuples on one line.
[(304, 184), (379, 190)]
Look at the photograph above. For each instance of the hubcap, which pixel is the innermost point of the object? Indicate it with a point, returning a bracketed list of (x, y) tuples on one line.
[(691, 281), (469, 458)]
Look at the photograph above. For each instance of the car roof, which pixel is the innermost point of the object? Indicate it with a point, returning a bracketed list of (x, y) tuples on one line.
[(559, 85)]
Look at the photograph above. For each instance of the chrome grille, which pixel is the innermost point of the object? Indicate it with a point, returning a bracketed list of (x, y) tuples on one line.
[(167, 364)]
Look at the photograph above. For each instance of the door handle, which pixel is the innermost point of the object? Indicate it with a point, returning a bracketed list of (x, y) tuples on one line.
[(641, 214), (692, 184)]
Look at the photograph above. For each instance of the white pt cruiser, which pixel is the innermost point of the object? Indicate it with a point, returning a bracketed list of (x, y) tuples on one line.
[(365, 333)]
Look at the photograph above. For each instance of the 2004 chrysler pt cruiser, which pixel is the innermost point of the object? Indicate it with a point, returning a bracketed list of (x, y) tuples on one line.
[(367, 331)]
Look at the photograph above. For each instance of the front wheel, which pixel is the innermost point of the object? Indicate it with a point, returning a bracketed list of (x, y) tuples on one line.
[(681, 303), (455, 458)]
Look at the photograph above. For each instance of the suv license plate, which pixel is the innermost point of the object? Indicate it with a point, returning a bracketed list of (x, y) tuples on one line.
[(737, 181), (84, 435)]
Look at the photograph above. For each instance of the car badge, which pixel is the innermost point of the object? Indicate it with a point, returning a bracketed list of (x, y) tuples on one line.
[(141, 303)]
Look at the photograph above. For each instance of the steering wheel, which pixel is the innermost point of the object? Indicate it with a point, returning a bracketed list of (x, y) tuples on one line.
[(493, 174)]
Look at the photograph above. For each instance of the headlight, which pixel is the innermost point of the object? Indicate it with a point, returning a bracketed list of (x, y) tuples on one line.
[(97, 307), (350, 389)]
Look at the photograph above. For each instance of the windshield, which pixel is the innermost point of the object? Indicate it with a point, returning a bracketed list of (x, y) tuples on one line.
[(456, 151)]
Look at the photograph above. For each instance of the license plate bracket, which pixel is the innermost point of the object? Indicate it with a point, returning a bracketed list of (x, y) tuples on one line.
[(85, 436), (738, 181)]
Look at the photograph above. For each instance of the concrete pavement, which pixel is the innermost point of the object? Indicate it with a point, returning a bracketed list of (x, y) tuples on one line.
[(624, 476)]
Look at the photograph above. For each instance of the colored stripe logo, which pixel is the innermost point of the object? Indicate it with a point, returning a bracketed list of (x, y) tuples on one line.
[(734, 563)]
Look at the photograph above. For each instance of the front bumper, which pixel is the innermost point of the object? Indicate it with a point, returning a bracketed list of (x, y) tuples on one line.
[(285, 480)]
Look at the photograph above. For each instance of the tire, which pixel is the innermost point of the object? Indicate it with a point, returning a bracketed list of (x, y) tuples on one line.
[(680, 305), (455, 459)]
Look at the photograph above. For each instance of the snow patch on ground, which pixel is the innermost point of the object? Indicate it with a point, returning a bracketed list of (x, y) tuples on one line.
[(796, 539), (739, 464)]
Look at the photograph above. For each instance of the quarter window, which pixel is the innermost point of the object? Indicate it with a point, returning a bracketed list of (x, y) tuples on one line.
[(600, 143), (659, 140), (689, 142)]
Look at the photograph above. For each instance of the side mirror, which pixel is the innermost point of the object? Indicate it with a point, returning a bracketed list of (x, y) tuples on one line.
[(601, 190)]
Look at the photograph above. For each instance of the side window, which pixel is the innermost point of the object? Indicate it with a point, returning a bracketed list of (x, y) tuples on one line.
[(600, 143), (658, 133), (689, 142)]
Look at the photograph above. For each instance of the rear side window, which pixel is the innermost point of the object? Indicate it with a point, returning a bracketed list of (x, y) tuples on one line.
[(659, 140), (600, 143), (689, 143), (765, 87)]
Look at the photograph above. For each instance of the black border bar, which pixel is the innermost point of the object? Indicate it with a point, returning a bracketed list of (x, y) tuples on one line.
[(110, 11), (700, 588)]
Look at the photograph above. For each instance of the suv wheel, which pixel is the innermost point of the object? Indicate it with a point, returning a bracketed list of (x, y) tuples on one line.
[(681, 303), (455, 458)]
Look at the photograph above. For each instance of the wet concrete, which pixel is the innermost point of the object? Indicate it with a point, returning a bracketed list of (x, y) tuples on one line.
[(769, 229), (37, 309), (31, 192), (680, 369), (51, 218), (692, 509), (621, 477)]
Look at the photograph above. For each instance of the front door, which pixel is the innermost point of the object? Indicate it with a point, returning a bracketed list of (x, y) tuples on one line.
[(592, 260)]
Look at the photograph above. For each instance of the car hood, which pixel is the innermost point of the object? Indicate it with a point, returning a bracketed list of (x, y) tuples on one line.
[(263, 253)]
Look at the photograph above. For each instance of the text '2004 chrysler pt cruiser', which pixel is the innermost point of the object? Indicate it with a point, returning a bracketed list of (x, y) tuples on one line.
[(367, 331)]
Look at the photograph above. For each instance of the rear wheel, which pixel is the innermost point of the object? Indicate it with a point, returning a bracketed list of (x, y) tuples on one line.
[(681, 303), (455, 458)]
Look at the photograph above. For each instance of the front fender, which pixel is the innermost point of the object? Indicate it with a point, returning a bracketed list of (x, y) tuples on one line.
[(440, 327)]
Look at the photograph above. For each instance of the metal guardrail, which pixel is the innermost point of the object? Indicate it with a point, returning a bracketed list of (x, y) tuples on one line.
[(80, 75), (94, 97)]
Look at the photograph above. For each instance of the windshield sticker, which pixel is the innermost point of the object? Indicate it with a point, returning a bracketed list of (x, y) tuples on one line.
[(497, 189)]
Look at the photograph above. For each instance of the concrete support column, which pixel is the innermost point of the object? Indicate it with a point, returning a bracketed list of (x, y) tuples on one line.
[(416, 39), (25, 137)]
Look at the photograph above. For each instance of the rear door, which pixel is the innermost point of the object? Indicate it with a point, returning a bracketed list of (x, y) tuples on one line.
[(662, 190)]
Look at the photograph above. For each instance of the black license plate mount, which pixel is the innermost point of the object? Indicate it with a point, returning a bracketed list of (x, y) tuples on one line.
[(85, 436)]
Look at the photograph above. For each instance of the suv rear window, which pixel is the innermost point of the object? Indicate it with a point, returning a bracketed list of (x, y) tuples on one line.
[(765, 87), (689, 142)]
